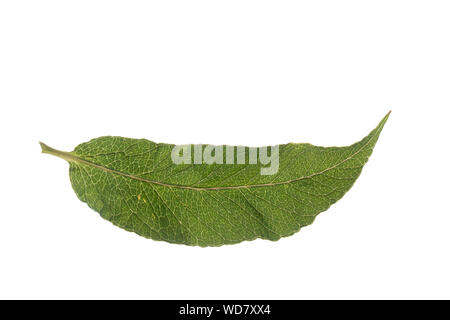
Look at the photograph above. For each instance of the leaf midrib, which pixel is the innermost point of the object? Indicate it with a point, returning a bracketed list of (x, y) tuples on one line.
[(68, 156)]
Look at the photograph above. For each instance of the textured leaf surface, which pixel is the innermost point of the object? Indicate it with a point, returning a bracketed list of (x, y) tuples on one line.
[(134, 184)]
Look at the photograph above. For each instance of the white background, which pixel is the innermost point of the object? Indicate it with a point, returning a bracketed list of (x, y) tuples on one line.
[(234, 72)]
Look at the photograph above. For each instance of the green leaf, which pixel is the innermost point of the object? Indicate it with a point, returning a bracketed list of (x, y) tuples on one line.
[(136, 185)]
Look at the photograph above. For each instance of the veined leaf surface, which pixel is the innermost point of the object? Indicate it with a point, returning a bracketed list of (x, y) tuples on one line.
[(134, 184)]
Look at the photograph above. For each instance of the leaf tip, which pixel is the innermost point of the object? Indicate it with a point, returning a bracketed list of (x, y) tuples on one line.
[(384, 120)]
